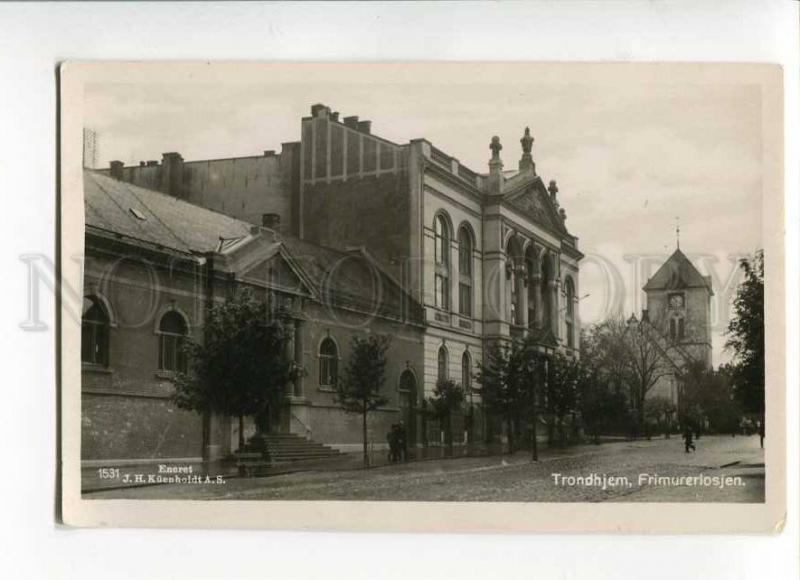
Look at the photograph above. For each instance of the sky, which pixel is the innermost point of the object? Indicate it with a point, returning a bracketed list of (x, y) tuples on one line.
[(634, 151)]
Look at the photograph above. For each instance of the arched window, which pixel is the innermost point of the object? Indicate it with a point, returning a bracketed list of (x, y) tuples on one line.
[(171, 340), (570, 312), (464, 272), (328, 363), (94, 332), (441, 374), (677, 328), (466, 371), (407, 382), (442, 266)]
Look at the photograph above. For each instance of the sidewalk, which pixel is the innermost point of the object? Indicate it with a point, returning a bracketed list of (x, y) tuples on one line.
[(435, 458)]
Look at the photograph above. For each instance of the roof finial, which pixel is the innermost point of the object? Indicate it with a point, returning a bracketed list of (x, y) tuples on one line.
[(526, 162), (495, 166), (678, 231)]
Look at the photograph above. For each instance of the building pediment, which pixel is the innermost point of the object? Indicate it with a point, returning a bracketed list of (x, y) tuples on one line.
[(533, 201)]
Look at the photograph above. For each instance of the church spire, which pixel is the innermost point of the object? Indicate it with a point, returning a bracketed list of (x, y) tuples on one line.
[(678, 232)]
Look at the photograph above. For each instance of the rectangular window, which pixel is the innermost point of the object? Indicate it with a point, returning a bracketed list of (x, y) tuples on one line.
[(465, 299), (441, 292), (680, 328)]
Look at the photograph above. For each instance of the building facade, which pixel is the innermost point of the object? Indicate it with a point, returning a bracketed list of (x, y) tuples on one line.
[(155, 264), (484, 256)]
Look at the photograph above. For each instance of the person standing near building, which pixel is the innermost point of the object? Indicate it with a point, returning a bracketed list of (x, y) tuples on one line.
[(402, 442), (687, 437), (392, 439)]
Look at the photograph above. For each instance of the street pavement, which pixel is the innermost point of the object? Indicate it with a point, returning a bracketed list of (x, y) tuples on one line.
[(723, 469)]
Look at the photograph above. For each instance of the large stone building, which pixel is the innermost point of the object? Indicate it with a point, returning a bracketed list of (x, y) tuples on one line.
[(480, 256)]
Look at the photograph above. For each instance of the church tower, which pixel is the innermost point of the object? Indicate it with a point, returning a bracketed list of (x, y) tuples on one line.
[(679, 305)]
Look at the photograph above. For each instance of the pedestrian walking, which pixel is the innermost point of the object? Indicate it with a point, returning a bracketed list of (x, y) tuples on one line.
[(687, 437)]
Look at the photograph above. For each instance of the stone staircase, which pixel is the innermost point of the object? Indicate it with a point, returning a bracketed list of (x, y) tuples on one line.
[(288, 447), (281, 450)]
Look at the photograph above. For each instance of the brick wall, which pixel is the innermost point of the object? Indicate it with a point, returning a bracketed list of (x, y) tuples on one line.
[(371, 212)]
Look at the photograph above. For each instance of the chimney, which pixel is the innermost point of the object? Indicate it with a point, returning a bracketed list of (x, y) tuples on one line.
[(172, 174), (142, 164), (152, 163), (351, 122), (526, 162), (271, 221), (335, 116), (116, 169), (320, 110), (365, 126), (495, 166)]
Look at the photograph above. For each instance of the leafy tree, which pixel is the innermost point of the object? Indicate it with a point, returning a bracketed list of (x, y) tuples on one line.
[(561, 393), (446, 401), (359, 389), (601, 399), (240, 368), (708, 395), (602, 410), (502, 380), (604, 349), (746, 339), (657, 411)]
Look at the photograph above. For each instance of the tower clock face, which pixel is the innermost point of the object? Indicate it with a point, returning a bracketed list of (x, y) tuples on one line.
[(676, 301)]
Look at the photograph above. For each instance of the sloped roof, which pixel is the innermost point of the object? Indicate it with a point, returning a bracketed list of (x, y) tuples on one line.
[(350, 278), (156, 218), (336, 277), (678, 272)]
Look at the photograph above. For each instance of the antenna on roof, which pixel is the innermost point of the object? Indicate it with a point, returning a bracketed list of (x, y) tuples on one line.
[(678, 231)]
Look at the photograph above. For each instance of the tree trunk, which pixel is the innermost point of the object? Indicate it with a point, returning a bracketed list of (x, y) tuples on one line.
[(364, 436), (510, 435), (449, 427), (241, 432)]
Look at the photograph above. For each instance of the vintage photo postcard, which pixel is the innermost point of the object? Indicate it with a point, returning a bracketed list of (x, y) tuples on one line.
[(429, 296)]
